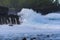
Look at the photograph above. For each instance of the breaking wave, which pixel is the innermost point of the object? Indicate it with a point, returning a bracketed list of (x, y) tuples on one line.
[(34, 27), (30, 16)]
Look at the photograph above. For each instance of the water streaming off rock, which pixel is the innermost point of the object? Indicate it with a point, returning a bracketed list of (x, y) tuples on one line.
[(34, 27)]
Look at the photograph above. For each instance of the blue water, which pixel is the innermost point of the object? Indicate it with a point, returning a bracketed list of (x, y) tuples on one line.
[(32, 37), (31, 17)]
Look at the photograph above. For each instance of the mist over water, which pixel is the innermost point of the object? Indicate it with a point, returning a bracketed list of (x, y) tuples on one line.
[(31, 17)]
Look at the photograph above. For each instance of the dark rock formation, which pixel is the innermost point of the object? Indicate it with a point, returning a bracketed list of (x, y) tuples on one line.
[(24, 38), (6, 18), (3, 10), (47, 9)]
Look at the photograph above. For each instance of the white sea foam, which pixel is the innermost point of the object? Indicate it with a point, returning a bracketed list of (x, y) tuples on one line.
[(32, 23)]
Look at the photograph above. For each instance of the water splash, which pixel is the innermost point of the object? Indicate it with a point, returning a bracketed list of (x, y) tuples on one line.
[(31, 17), (33, 24)]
